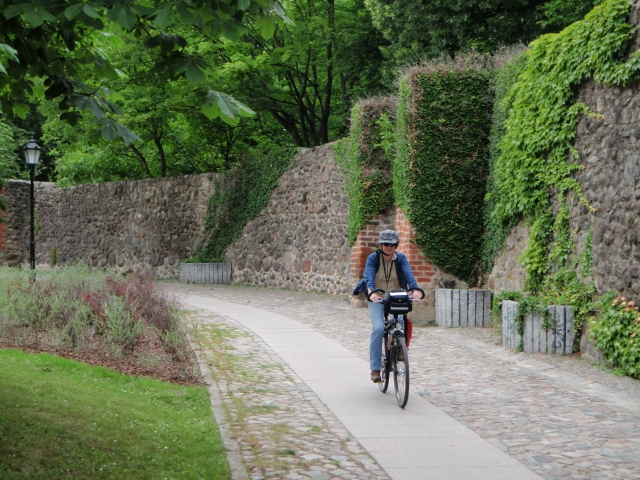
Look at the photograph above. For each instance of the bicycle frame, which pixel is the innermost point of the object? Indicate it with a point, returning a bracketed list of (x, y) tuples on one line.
[(394, 328)]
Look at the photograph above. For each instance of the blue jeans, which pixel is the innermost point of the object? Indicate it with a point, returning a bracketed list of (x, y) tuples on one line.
[(376, 313)]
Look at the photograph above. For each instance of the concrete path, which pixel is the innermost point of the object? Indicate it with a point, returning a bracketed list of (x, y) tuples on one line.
[(418, 442)]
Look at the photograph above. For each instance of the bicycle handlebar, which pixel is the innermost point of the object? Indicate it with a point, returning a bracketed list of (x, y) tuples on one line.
[(383, 292)]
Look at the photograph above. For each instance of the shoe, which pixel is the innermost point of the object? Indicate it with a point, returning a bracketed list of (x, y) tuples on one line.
[(400, 355), (375, 376)]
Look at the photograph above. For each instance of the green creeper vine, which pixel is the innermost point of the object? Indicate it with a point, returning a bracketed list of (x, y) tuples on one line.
[(542, 125), (496, 305), (503, 78), (440, 173), (366, 158), (617, 334), (237, 199)]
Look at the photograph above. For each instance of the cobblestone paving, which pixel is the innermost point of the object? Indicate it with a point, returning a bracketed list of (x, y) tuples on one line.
[(282, 428), (562, 417)]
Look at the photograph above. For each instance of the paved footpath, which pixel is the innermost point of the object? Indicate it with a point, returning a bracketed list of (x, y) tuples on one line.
[(479, 411)]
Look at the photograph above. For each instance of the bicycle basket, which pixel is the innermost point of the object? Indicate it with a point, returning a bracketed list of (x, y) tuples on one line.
[(397, 302)]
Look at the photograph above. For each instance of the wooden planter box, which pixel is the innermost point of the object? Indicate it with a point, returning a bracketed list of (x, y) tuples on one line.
[(556, 340), (463, 308), (205, 273)]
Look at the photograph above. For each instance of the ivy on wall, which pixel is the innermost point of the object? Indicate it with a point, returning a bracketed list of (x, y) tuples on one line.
[(441, 168), (237, 199), (509, 65), (542, 125), (366, 158)]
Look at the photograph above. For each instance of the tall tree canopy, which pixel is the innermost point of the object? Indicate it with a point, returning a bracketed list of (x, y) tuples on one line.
[(49, 47), (419, 28), (308, 74)]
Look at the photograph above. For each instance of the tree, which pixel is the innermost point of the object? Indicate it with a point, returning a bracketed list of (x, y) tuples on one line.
[(307, 75), (434, 27), (176, 137), (54, 41)]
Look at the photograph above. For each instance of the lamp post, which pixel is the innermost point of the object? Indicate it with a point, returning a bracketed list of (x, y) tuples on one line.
[(32, 154)]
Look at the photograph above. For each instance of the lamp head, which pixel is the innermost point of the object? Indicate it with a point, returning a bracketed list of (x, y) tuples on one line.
[(32, 152)]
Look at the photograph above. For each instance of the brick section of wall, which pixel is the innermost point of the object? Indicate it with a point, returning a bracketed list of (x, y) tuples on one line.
[(367, 242), (422, 268), (429, 276)]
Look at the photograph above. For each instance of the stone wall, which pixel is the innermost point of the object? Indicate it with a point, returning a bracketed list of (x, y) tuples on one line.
[(299, 241), (609, 149), (508, 273), (152, 223)]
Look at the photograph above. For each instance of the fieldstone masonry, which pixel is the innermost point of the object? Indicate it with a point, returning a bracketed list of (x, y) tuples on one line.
[(508, 273), (299, 241), (609, 150), (152, 223)]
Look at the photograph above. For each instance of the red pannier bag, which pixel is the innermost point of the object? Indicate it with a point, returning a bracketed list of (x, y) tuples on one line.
[(409, 329)]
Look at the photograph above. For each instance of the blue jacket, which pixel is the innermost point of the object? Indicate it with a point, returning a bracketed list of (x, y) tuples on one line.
[(403, 270)]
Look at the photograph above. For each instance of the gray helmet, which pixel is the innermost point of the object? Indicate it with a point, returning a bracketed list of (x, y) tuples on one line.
[(389, 236)]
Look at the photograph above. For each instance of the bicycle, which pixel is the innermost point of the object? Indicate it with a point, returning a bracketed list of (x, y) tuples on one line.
[(395, 357)]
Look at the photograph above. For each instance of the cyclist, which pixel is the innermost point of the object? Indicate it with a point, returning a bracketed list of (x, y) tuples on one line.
[(389, 270)]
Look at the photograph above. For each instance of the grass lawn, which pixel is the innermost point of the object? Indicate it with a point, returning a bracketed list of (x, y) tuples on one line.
[(64, 419)]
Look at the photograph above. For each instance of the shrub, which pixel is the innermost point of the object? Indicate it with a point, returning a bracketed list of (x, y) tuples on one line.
[(78, 307), (440, 172), (617, 333), (122, 328)]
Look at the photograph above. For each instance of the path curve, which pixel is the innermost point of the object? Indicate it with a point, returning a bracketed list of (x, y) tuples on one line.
[(421, 441)]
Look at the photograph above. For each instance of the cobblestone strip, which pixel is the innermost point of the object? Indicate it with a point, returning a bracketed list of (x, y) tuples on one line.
[(283, 430), (557, 429)]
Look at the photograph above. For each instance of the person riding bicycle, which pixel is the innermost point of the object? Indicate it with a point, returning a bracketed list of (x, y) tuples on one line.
[(389, 270)]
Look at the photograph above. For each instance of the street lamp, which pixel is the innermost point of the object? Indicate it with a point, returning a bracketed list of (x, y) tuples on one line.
[(32, 154)]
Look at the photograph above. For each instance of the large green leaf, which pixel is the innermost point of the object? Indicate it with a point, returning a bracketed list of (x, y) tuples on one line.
[(109, 131), (218, 104), (126, 19), (7, 52), (90, 11), (13, 11), (267, 30), (21, 110), (194, 73), (33, 19), (45, 14), (165, 17), (185, 14), (73, 11), (127, 135)]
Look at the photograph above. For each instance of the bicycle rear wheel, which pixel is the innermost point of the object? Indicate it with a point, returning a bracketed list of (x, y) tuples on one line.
[(401, 371), (384, 368)]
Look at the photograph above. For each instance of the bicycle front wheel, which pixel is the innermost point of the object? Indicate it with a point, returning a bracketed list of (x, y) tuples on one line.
[(401, 371), (384, 368)]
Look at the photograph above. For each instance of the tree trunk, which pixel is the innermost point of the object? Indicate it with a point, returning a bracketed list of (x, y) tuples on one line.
[(142, 160)]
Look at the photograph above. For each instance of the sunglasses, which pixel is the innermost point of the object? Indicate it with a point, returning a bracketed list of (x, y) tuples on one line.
[(389, 244)]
